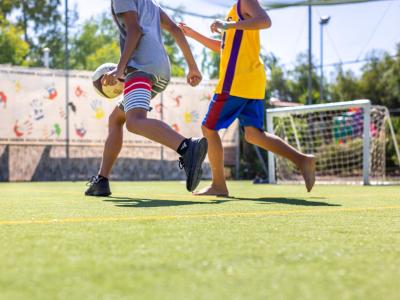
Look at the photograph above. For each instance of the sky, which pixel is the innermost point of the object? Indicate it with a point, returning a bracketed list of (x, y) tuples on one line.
[(353, 32)]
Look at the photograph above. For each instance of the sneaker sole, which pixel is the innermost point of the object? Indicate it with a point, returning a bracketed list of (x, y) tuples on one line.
[(98, 195), (196, 171)]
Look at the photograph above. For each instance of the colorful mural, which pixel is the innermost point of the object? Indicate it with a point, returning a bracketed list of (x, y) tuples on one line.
[(35, 111)]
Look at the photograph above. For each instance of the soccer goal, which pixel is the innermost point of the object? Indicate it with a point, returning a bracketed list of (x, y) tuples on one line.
[(348, 139)]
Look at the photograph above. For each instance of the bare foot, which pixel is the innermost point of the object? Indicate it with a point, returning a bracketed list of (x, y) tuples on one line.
[(308, 171), (212, 191)]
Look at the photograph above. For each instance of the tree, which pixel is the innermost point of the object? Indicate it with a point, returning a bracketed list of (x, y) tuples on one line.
[(345, 87), (41, 22), (176, 58), (13, 49), (98, 42), (298, 83), (380, 80), (210, 63), (277, 83), (95, 44)]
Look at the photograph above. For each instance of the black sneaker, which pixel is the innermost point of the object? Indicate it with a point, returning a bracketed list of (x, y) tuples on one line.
[(192, 160), (98, 186)]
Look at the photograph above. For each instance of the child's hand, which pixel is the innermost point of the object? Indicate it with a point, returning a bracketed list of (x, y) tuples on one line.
[(194, 77), (188, 31), (217, 26), (111, 78)]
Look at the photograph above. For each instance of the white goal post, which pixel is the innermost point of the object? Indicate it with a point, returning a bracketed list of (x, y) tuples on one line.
[(347, 137)]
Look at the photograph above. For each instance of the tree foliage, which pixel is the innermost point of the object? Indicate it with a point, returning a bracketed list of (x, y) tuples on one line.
[(379, 81), (210, 63), (98, 42), (13, 49), (176, 58), (95, 44), (41, 22)]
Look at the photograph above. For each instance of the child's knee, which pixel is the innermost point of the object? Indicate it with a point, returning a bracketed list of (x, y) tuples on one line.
[(134, 125), (250, 134), (208, 132), (115, 122)]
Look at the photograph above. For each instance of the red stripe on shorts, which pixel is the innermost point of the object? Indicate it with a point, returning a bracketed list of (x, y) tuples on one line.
[(143, 80), (137, 79), (136, 86), (215, 111)]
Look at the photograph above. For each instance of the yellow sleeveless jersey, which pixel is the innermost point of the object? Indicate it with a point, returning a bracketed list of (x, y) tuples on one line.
[(242, 72)]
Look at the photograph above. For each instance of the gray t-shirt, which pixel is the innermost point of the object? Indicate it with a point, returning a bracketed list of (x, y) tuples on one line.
[(150, 55)]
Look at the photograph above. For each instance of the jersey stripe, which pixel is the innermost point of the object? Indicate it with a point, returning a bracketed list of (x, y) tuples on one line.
[(215, 111), (237, 41), (230, 71)]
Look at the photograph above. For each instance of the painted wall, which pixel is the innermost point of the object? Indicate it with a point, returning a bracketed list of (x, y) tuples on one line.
[(33, 128)]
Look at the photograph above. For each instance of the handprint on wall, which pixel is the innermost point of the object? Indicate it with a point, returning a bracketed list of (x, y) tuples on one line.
[(3, 99), (17, 86), (22, 129), (159, 108), (52, 93), (62, 113), (72, 106), (80, 131), (175, 127), (206, 97), (191, 117), (37, 109), (56, 130), (176, 98), (98, 109), (79, 92)]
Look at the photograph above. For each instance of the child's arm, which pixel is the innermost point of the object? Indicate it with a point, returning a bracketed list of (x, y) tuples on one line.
[(256, 18), (133, 35), (194, 77), (212, 44)]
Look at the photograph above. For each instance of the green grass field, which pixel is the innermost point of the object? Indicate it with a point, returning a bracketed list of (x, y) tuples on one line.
[(155, 241)]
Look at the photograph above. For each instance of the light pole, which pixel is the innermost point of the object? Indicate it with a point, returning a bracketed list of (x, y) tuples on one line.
[(324, 20), (46, 57), (66, 68), (309, 88)]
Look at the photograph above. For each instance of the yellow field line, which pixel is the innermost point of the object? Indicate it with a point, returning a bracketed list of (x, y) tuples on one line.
[(199, 216)]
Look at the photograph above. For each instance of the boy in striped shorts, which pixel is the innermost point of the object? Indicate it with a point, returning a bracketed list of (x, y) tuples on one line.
[(145, 67)]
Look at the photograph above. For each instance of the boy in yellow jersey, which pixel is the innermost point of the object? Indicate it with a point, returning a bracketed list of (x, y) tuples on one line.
[(241, 91)]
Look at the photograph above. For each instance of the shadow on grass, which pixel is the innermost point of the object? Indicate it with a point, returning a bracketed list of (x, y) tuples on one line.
[(287, 201), (138, 202)]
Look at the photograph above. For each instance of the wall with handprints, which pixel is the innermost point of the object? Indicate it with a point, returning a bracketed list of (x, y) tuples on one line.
[(32, 101), (34, 117)]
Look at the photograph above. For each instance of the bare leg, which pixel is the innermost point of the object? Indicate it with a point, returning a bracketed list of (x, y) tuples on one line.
[(270, 142), (155, 130), (113, 144), (216, 157)]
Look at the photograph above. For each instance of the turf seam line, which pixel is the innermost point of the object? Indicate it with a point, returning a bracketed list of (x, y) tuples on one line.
[(199, 216)]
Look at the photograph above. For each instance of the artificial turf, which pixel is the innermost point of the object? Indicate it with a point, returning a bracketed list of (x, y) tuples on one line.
[(153, 240)]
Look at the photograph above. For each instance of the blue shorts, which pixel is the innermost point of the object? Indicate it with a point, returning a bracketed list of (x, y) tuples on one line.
[(224, 109)]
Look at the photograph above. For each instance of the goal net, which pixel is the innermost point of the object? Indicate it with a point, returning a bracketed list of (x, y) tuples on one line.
[(348, 139)]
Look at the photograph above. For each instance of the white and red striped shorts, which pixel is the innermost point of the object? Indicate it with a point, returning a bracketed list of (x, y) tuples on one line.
[(140, 88)]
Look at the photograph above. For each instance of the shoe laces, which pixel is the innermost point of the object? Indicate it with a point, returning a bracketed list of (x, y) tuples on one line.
[(92, 180), (181, 163)]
